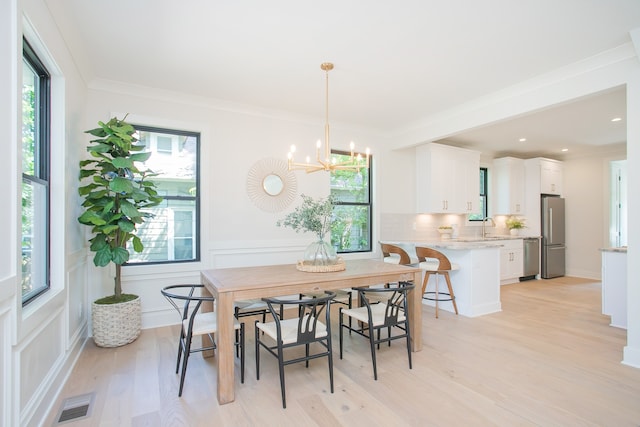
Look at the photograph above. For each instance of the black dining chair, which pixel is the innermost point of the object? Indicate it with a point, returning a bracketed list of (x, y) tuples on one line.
[(195, 323), (389, 313), (311, 326)]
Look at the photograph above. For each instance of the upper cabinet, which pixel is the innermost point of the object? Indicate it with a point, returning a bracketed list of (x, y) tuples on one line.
[(545, 175), (508, 186), (448, 179), (550, 177), (542, 176)]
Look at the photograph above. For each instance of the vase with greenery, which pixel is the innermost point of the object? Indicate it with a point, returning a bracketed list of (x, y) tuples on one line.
[(515, 224), (314, 216), (116, 193)]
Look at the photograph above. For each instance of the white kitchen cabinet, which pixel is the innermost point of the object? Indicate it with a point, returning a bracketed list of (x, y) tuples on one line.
[(550, 177), (448, 179), (508, 186), (544, 176), (511, 261), (541, 176)]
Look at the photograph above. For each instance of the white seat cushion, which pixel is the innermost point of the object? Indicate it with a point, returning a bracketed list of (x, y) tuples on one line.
[(392, 259), (250, 304), (290, 329), (377, 314), (206, 323), (432, 265), (342, 295)]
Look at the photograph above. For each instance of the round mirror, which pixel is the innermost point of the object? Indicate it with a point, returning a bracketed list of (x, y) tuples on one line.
[(272, 184)]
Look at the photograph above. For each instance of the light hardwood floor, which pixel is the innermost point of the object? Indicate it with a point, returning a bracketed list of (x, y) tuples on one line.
[(549, 358)]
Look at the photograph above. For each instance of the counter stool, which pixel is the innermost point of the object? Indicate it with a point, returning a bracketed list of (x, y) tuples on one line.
[(435, 262), (394, 254)]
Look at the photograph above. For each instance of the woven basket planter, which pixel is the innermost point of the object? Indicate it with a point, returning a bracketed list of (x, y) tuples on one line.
[(115, 325)]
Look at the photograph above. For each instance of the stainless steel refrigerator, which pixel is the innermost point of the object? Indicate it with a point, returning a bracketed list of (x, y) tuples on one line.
[(553, 243)]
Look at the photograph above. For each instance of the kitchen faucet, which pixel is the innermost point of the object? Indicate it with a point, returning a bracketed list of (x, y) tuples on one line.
[(484, 223)]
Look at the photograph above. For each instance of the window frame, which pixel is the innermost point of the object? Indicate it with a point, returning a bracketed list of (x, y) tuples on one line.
[(484, 181), (197, 207), (42, 159), (369, 204)]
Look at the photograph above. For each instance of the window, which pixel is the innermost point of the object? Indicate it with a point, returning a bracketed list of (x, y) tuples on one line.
[(351, 229), (35, 175), (483, 197), (172, 234)]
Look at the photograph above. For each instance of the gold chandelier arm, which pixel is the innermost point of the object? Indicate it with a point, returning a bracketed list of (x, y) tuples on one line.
[(354, 162)]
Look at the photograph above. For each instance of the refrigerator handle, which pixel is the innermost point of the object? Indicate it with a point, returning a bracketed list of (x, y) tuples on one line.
[(551, 224)]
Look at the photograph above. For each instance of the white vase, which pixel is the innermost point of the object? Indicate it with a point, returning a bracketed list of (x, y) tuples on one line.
[(514, 231)]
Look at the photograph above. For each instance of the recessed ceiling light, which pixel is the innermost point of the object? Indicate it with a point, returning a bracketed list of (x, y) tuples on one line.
[(616, 119), (564, 150), (522, 139)]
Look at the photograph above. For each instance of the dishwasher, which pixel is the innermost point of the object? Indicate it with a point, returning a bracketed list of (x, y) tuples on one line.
[(531, 258)]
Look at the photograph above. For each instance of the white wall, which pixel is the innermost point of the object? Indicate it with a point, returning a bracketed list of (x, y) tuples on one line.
[(587, 194), (632, 349)]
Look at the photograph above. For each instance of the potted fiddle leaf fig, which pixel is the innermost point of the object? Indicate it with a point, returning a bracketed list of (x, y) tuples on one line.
[(116, 193)]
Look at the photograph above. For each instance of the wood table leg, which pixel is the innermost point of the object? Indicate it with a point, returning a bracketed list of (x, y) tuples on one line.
[(205, 307), (225, 356), (415, 313)]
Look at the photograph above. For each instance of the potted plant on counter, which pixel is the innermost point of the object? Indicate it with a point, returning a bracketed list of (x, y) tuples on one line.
[(114, 198), (514, 224), (445, 232)]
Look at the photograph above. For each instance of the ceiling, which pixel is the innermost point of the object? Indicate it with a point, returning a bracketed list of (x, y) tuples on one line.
[(396, 63)]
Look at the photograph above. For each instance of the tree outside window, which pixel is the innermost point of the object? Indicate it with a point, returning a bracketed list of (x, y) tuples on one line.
[(352, 225), (171, 235)]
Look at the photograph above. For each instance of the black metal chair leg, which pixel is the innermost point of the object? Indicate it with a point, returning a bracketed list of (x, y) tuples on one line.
[(373, 352), (281, 369), (257, 353), (242, 352)]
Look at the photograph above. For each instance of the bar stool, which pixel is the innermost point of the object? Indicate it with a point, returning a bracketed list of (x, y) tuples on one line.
[(394, 254), (435, 262)]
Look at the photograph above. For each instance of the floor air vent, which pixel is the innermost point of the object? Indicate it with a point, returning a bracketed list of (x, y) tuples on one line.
[(75, 408)]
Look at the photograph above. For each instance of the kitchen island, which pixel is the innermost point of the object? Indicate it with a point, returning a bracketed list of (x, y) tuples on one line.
[(614, 285), (476, 284)]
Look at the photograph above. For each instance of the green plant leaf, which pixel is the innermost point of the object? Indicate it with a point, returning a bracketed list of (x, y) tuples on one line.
[(121, 185), (108, 207), (120, 255), (126, 225), (99, 148), (91, 218), (141, 157), (137, 244), (102, 257), (108, 229), (129, 210), (122, 163), (98, 243)]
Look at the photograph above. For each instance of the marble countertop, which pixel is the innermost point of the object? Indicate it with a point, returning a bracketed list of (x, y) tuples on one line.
[(456, 244), (620, 249)]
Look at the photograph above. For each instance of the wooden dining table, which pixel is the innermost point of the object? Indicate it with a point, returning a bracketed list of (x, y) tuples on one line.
[(231, 284)]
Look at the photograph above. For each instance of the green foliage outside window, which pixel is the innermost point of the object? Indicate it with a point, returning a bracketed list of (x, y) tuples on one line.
[(351, 225)]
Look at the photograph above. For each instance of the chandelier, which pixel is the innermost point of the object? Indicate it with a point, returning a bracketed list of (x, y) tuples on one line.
[(355, 162)]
